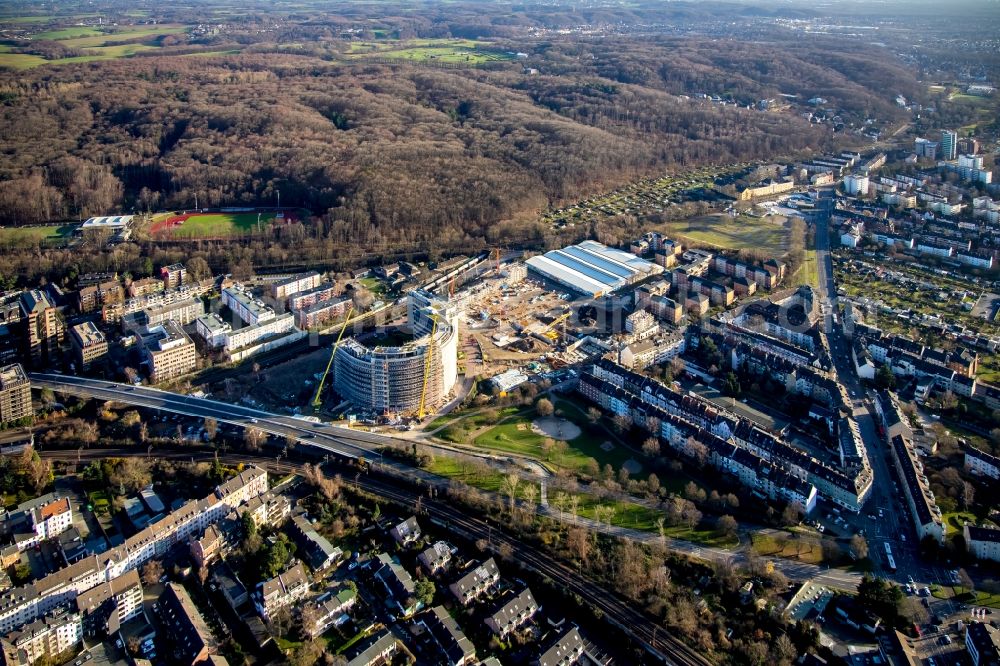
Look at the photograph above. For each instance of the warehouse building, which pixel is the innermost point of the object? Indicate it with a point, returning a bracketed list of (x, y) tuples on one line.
[(591, 269)]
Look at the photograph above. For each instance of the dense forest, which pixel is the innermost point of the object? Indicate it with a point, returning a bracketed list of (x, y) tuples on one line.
[(419, 156), (399, 148)]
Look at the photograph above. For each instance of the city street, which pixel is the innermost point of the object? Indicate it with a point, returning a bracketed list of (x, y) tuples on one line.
[(885, 517)]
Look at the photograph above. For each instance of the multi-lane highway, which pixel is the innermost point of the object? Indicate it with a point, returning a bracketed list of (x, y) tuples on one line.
[(354, 444)]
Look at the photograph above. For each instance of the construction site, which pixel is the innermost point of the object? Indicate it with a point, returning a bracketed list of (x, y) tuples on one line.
[(478, 319)]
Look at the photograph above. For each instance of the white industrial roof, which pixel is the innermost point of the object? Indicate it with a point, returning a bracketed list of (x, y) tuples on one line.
[(108, 222), (591, 267), (567, 276)]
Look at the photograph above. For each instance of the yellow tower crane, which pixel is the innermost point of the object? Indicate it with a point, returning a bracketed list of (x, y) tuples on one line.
[(317, 401), (421, 412), (549, 331)]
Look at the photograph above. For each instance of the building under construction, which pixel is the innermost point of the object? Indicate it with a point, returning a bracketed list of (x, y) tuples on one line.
[(409, 379)]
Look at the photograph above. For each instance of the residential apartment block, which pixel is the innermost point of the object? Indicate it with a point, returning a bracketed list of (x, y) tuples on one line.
[(284, 288), (168, 351), (173, 276), (189, 633), (981, 463), (43, 328), (89, 344), (321, 312), (303, 299), (281, 591), (24, 604), (983, 543), (15, 394), (923, 508), (106, 607), (44, 639)]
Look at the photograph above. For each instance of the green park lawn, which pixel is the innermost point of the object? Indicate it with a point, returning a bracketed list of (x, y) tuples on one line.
[(474, 420), (809, 551), (516, 436), (964, 595), (808, 273), (373, 284)]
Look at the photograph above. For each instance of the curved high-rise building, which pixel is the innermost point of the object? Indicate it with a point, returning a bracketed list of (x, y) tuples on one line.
[(390, 380)]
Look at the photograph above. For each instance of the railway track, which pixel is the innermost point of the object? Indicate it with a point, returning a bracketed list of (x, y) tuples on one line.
[(660, 646)]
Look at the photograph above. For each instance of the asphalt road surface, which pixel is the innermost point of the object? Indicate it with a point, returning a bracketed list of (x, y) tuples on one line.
[(353, 444)]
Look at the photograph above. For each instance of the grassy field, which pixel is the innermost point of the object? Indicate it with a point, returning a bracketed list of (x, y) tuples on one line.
[(445, 54), (97, 45), (24, 19), (473, 421), (516, 436), (453, 469), (123, 35), (804, 550), (453, 51), (69, 33), (218, 225), (616, 512), (20, 236), (768, 234), (808, 273), (964, 595), (955, 521), (385, 45), (373, 284), (20, 60)]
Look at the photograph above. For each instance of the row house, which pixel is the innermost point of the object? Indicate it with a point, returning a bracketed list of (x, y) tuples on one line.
[(512, 613), (923, 508)]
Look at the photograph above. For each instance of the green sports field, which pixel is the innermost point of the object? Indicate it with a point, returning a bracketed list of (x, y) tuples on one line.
[(52, 234), (220, 225)]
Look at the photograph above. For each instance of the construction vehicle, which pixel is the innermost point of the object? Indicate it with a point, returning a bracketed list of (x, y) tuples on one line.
[(317, 400), (427, 368)]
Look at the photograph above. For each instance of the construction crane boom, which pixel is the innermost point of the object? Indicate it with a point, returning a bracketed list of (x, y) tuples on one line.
[(427, 368), (549, 330), (317, 401)]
